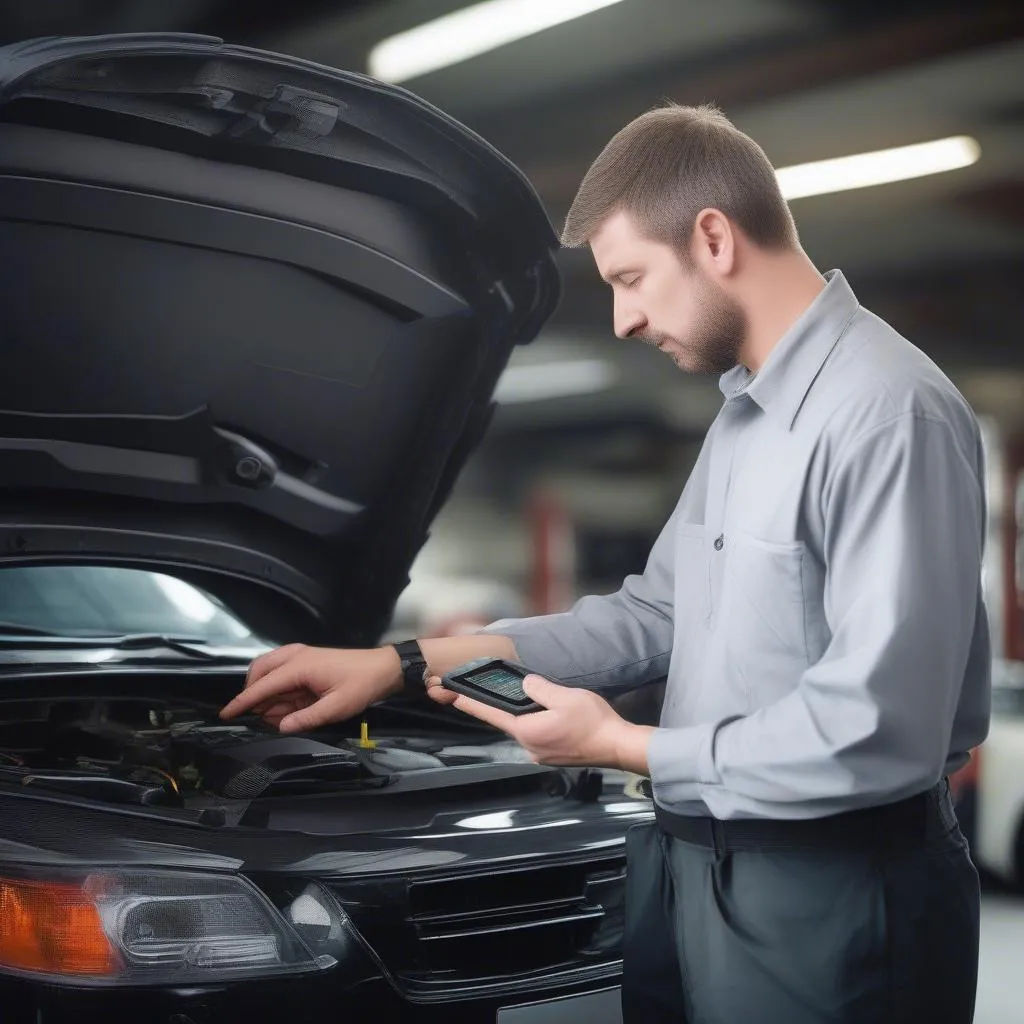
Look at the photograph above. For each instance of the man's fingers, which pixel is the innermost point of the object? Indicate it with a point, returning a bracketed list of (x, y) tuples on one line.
[(274, 684), (492, 716), (293, 700), (318, 713), (435, 691), (277, 709), (543, 691), (266, 663), (297, 721)]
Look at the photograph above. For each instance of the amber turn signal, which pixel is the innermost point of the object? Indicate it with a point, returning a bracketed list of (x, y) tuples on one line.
[(52, 928)]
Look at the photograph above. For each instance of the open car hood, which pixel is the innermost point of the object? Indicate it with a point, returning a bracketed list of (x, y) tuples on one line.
[(254, 313)]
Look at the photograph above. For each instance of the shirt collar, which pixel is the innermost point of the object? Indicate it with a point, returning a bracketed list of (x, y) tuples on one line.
[(792, 366)]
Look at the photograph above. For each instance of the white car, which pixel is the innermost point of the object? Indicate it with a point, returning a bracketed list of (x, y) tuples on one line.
[(990, 791)]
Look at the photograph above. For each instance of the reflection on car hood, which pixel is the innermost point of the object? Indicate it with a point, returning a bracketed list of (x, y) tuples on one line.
[(275, 304), (84, 652)]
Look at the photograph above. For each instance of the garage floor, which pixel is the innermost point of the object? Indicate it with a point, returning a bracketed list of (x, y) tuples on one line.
[(1001, 970)]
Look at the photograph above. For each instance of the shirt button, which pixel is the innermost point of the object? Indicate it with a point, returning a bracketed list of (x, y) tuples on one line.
[(720, 542)]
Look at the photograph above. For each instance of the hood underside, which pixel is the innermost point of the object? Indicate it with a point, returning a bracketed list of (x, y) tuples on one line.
[(255, 310)]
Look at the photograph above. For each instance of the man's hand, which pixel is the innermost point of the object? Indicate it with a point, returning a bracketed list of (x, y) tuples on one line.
[(299, 687), (577, 728)]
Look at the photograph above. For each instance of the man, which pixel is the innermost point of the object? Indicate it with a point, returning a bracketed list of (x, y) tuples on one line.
[(814, 600)]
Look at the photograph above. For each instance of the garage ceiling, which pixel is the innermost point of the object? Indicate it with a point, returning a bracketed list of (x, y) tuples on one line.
[(942, 257)]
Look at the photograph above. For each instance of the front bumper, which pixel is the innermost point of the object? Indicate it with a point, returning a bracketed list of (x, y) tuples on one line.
[(299, 1000)]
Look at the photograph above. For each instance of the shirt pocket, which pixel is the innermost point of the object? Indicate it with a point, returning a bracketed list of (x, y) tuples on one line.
[(764, 611)]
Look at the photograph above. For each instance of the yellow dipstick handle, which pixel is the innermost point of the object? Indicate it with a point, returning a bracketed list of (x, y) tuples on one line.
[(364, 737)]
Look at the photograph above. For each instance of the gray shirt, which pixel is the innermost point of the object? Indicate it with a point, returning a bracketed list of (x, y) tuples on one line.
[(815, 597)]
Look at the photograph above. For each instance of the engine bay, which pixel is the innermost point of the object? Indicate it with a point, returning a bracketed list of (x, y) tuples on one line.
[(180, 754)]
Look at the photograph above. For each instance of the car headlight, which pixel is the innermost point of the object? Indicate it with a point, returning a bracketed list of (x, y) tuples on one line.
[(158, 927)]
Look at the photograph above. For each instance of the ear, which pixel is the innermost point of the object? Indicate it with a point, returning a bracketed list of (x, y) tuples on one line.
[(714, 242)]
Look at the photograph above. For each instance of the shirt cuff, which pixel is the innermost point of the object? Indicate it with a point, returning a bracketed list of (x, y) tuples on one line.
[(681, 762)]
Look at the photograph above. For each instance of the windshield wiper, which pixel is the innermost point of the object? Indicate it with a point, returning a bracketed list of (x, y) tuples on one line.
[(121, 641), (197, 647), (191, 645)]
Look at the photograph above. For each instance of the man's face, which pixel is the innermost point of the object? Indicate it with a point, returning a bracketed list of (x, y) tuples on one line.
[(665, 303)]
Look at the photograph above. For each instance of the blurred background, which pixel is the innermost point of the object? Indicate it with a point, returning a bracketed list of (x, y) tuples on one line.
[(594, 437)]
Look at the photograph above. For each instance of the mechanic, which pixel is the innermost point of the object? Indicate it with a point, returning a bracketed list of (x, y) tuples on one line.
[(814, 601)]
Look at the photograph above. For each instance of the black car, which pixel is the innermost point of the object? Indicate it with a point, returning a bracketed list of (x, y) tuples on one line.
[(254, 310)]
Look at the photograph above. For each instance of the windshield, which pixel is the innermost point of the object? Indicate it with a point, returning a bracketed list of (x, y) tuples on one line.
[(89, 601)]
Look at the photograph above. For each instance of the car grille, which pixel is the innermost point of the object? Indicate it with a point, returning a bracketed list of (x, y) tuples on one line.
[(485, 930)]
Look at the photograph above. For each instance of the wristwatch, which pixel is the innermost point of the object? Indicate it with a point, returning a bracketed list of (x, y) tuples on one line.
[(414, 666)]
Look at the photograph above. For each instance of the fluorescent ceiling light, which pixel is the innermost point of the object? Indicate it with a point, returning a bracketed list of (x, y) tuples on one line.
[(469, 32), (878, 168), (554, 380)]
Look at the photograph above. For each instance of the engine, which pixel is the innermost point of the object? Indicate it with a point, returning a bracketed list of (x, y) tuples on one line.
[(129, 751)]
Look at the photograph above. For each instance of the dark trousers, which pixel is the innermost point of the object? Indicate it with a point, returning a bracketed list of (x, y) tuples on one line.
[(801, 933)]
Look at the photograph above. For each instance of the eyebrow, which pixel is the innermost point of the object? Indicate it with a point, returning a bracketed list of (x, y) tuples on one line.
[(618, 272)]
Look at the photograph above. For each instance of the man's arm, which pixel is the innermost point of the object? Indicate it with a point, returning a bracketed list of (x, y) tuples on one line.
[(444, 653), (623, 640), (871, 720), (611, 643)]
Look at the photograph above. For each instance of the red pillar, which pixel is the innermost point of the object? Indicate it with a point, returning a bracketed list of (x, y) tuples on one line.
[(1013, 620), (552, 551)]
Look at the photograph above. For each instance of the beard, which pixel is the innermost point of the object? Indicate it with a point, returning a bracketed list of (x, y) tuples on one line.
[(713, 346)]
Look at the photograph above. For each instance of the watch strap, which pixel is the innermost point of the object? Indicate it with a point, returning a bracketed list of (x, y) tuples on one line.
[(414, 665)]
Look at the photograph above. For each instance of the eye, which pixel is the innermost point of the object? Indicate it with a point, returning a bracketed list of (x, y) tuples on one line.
[(631, 282)]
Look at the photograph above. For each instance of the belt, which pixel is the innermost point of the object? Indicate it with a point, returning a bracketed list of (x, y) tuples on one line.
[(906, 823)]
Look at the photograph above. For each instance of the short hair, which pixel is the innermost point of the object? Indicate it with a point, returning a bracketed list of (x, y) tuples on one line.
[(670, 163)]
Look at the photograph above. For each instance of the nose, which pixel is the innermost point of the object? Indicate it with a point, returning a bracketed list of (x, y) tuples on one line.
[(627, 320)]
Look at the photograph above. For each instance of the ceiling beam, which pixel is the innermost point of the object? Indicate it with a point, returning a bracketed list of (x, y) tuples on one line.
[(554, 153)]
